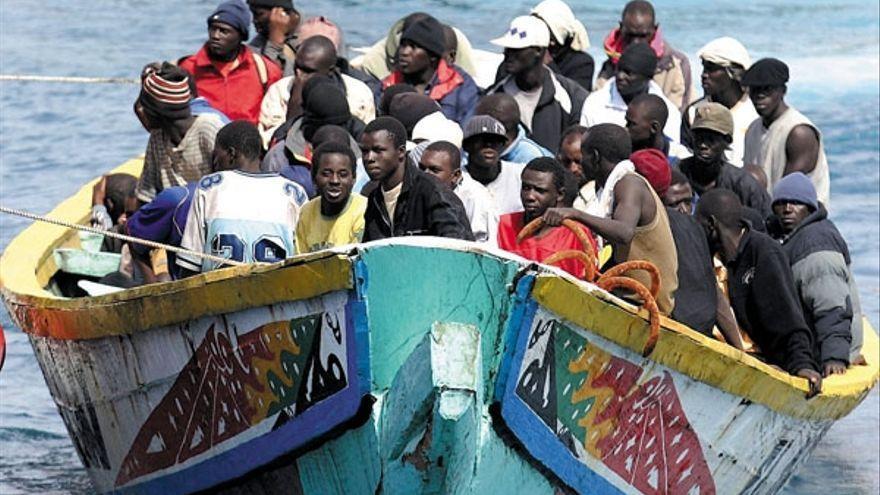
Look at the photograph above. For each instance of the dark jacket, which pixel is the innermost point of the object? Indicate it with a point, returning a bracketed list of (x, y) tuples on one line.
[(766, 305), (734, 179), (451, 87), (820, 264), (424, 207), (577, 66), (696, 299), (559, 107)]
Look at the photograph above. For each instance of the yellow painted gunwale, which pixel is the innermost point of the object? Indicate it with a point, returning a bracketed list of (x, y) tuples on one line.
[(41, 313), (706, 359)]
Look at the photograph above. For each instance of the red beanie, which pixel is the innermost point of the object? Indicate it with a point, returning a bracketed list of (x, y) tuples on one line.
[(653, 165)]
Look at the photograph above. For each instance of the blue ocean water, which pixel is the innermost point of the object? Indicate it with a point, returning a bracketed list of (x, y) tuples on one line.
[(55, 137)]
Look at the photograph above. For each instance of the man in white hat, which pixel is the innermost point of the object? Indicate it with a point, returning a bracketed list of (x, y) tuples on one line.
[(548, 103), (724, 62)]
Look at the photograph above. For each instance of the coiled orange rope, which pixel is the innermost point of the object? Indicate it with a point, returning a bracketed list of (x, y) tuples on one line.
[(613, 278)]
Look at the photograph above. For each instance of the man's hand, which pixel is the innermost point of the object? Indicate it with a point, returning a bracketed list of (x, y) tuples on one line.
[(554, 216), (99, 191), (813, 378), (833, 367), (279, 23)]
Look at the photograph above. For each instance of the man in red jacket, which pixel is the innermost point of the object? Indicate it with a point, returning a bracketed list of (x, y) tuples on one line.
[(228, 74)]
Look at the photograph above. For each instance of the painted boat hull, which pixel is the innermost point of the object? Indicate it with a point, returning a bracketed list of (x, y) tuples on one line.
[(407, 366)]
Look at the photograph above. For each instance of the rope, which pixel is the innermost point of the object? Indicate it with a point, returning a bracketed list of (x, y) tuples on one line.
[(122, 237), (64, 79)]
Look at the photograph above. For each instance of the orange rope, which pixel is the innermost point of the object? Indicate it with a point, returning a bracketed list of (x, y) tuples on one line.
[(585, 256), (647, 266), (609, 283)]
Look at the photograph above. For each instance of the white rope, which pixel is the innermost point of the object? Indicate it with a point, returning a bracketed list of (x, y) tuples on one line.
[(121, 237), (63, 79)]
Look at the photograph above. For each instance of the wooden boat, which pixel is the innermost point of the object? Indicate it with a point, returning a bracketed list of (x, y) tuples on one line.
[(405, 366)]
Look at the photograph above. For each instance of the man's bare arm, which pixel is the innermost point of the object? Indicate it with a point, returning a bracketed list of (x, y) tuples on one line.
[(801, 150)]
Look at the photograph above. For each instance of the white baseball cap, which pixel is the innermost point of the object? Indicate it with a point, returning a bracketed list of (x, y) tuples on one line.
[(725, 51), (525, 31)]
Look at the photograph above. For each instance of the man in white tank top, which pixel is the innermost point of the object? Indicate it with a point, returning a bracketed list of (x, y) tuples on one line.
[(783, 140)]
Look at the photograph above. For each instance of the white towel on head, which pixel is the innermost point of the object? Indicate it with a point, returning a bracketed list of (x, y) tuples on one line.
[(562, 23)]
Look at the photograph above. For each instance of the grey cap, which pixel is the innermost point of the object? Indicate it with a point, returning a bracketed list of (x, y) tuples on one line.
[(483, 124)]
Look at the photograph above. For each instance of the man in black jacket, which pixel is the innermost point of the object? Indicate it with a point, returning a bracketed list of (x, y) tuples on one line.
[(820, 264), (548, 103), (405, 200), (708, 169), (761, 288)]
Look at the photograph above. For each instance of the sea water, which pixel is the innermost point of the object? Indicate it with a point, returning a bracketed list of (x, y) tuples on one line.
[(55, 137)]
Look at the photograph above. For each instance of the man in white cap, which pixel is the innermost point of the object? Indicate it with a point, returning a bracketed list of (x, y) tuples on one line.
[(724, 62), (548, 103), (568, 42)]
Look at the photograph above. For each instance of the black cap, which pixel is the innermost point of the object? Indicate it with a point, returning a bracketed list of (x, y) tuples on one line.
[(766, 72), (426, 33), (638, 58)]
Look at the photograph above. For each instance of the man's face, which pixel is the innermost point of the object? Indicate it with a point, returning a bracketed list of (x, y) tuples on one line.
[(710, 228), (223, 40), (381, 158), (714, 78), (569, 156), (334, 178), (592, 165), (484, 150), (261, 19), (630, 83), (766, 98), (641, 129), (791, 214), (538, 193), (221, 159), (709, 146), (637, 28), (308, 63), (411, 58), (680, 197), (147, 119), (519, 60), (439, 164)]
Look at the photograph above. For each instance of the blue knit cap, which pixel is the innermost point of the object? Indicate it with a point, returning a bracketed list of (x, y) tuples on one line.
[(796, 188), (235, 13)]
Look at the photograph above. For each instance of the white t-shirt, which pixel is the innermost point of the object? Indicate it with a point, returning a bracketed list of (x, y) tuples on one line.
[(505, 189), (241, 216), (526, 100), (606, 106), (480, 209)]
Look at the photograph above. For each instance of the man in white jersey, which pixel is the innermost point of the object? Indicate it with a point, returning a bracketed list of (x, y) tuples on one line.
[(484, 138), (239, 212)]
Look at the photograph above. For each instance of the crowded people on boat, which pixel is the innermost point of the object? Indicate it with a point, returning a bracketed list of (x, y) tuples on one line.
[(520, 147), (442, 159), (608, 104), (712, 131), (638, 25), (239, 212), (231, 76), (628, 215), (548, 103), (440, 162), (316, 55), (336, 216), (276, 23), (725, 60), (181, 144), (401, 199), (420, 63), (783, 140), (820, 265), (543, 187), (646, 117), (761, 287), (484, 138)]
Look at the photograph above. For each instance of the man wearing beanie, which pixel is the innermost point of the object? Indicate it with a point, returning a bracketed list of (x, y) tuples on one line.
[(725, 60), (820, 263), (276, 22), (420, 63), (181, 144), (638, 25), (708, 169), (548, 102), (783, 140), (228, 74), (635, 68)]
